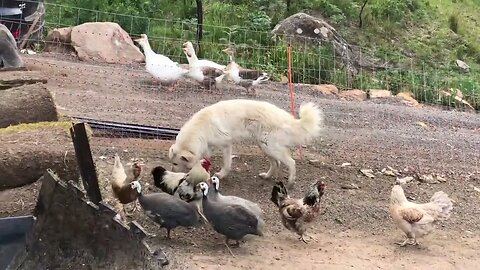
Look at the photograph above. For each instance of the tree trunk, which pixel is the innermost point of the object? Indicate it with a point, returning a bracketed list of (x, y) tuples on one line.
[(27, 152), (199, 35), (360, 22), (26, 104)]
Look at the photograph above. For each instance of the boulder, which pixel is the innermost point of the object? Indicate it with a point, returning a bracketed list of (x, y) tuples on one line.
[(354, 94), (104, 42), (303, 28), (378, 93), (9, 57), (327, 89), (462, 65), (408, 99)]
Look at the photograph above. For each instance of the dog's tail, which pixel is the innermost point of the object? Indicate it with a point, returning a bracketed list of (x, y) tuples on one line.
[(311, 121)]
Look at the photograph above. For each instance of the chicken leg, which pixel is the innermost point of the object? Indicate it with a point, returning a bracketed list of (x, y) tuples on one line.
[(302, 237), (408, 241)]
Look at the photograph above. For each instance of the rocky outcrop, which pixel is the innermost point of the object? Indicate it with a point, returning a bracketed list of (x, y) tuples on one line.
[(96, 41)]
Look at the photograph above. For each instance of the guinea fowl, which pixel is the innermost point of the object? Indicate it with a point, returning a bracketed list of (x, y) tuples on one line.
[(166, 210), (169, 181), (294, 213), (417, 219), (253, 207), (247, 78), (121, 183), (160, 66), (206, 72), (231, 220)]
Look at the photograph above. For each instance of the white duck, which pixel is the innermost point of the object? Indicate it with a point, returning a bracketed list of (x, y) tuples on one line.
[(206, 72), (160, 66), (248, 78)]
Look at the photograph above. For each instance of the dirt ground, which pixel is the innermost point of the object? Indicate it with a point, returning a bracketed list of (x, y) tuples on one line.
[(355, 230)]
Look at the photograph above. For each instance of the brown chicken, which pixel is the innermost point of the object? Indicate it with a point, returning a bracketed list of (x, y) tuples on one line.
[(121, 183), (296, 212)]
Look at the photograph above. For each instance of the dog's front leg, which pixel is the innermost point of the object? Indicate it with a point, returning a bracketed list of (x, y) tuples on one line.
[(227, 162)]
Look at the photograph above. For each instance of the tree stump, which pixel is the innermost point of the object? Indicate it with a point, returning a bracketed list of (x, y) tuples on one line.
[(26, 151), (26, 104)]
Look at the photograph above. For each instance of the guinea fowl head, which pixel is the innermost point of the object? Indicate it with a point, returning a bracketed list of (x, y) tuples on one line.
[(215, 182), (136, 185), (204, 188)]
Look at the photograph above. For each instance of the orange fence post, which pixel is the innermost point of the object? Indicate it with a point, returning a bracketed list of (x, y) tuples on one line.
[(292, 94)]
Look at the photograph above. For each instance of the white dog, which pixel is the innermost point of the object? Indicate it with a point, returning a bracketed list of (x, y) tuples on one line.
[(228, 121)]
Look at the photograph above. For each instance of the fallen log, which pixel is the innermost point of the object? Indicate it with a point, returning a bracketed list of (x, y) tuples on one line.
[(26, 104), (13, 79), (27, 150)]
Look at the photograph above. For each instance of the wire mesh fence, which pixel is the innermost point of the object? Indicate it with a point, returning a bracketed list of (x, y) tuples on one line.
[(314, 61)]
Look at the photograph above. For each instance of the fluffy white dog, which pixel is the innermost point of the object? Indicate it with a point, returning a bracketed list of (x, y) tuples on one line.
[(228, 121)]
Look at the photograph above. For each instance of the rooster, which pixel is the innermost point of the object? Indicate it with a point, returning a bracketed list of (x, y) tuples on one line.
[(121, 183), (416, 220), (296, 212), (169, 181)]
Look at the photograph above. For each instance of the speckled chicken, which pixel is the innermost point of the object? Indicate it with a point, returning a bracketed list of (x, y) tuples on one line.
[(294, 213), (120, 182), (166, 210), (417, 220)]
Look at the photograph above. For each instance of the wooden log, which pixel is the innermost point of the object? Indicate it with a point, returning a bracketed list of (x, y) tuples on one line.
[(27, 150), (26, 104), (18, 78)]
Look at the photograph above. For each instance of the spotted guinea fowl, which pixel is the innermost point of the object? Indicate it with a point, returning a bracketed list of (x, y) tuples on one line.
[(121, 183), (231, 220), (294, 213), (247, 78), (166, 210), (216, 195)]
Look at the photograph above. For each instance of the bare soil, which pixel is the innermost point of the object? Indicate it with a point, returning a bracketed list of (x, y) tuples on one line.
[(355, 229)]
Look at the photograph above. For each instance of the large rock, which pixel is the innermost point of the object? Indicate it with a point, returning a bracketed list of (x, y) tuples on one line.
[(327, 89), (9, 56), (380, 93), (104, 42), (354, 94)]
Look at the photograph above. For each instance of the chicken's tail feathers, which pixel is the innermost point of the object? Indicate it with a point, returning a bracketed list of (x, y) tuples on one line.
[(166, 181), (279, 191), (441, 199)]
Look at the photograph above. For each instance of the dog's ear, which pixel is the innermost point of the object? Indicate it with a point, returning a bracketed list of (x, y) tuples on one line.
[(186, 157)]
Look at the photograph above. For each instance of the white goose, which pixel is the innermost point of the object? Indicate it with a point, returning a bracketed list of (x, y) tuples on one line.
[(248, 78), (206, 72), (160, 66)]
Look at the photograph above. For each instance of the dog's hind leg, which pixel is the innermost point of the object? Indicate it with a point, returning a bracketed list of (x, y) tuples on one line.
[(227, 162), (282, 154), (274, 164)]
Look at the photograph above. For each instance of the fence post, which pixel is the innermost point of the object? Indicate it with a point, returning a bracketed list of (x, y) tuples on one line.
[(85, 162)]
